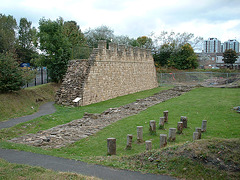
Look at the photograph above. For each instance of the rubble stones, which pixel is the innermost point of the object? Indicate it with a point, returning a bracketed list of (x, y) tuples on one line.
[(75, 130)]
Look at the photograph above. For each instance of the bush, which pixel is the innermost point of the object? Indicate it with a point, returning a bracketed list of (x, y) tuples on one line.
[(11, 76)]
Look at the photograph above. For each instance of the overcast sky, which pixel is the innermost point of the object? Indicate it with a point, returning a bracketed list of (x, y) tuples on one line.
[(205, 18)]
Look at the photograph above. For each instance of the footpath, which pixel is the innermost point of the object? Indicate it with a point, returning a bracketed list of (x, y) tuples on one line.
[(45, 109), (66, 165)]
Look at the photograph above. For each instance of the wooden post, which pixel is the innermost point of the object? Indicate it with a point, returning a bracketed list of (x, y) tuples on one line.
[(129, 141), (204, 125), (184, 120), (199, 130), (165, 114), (172, 134), (163, 140), (195, 136), (139, 134), (179, 127), (148, 145), (152, 127), (111, 145), (161, 123)]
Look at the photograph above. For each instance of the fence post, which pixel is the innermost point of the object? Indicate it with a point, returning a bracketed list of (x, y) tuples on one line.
[(227, 78), (47, 75), (161, 80), (41, 75)]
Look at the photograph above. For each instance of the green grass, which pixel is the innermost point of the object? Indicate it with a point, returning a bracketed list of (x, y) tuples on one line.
[(202, 159), (212, 104), (18, 171), (66, 114), (23, 102)]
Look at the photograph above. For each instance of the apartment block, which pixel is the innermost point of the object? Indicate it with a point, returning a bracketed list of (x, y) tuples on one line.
[(231, 44), (212, 45)]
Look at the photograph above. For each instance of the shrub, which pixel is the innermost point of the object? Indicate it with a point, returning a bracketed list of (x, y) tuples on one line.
[(11, 76)]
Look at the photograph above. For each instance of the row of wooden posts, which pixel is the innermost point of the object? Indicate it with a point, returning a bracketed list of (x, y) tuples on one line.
[(111, 142)]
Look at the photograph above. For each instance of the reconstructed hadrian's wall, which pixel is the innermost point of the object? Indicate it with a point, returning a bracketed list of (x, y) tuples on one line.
[(108, 73)]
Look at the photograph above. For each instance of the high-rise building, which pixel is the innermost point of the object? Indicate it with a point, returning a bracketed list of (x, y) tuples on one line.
[(212, 45), (231, 44)]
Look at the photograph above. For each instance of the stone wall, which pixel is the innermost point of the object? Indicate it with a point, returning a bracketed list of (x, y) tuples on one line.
[(108, 73)]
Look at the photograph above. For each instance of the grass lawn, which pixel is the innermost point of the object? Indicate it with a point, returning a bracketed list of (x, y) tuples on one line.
[(212, 104), (25, 101), (18, 171), (66, 114)]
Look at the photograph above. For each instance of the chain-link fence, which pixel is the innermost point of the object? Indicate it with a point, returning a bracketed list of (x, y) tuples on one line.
[(195, 78)]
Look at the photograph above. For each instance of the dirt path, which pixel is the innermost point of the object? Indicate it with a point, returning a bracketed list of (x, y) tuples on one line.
[(73, 131)]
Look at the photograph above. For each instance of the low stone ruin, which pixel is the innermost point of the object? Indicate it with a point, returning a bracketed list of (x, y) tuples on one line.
[(63, 135)]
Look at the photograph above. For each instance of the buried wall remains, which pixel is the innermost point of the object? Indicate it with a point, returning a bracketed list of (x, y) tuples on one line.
[(108, 73)]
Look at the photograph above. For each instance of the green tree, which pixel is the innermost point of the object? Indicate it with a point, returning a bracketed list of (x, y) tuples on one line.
[(229, 56), (184, 58), (56, 47), (11, 76), (8, 26), (79, 47), (26, 37), (145, 42), (161, 57)]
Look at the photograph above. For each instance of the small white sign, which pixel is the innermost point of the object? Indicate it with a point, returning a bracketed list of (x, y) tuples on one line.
[(77, 99)]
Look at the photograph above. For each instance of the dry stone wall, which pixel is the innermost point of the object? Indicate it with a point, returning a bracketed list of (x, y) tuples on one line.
[(108, 73)]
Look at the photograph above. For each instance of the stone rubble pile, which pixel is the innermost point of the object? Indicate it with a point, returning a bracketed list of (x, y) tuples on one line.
[(75, 130)]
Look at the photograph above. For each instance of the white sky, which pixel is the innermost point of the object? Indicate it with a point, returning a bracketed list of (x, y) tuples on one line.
[(205, 18)]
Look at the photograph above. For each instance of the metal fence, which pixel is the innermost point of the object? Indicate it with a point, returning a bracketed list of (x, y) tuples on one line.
[(41, 78), (195, 78)]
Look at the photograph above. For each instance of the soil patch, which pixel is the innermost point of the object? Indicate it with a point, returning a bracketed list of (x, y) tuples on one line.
[(73, 131)]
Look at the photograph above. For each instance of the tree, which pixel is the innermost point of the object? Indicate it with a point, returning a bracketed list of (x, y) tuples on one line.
[(99, 33), (175, 49), (8, 26), (123, 39), (184, 58), (11, 76), (229, 56), (178, 39), (26, 37), (161, 57), (79, 47), (145, 42), (56, 47)]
